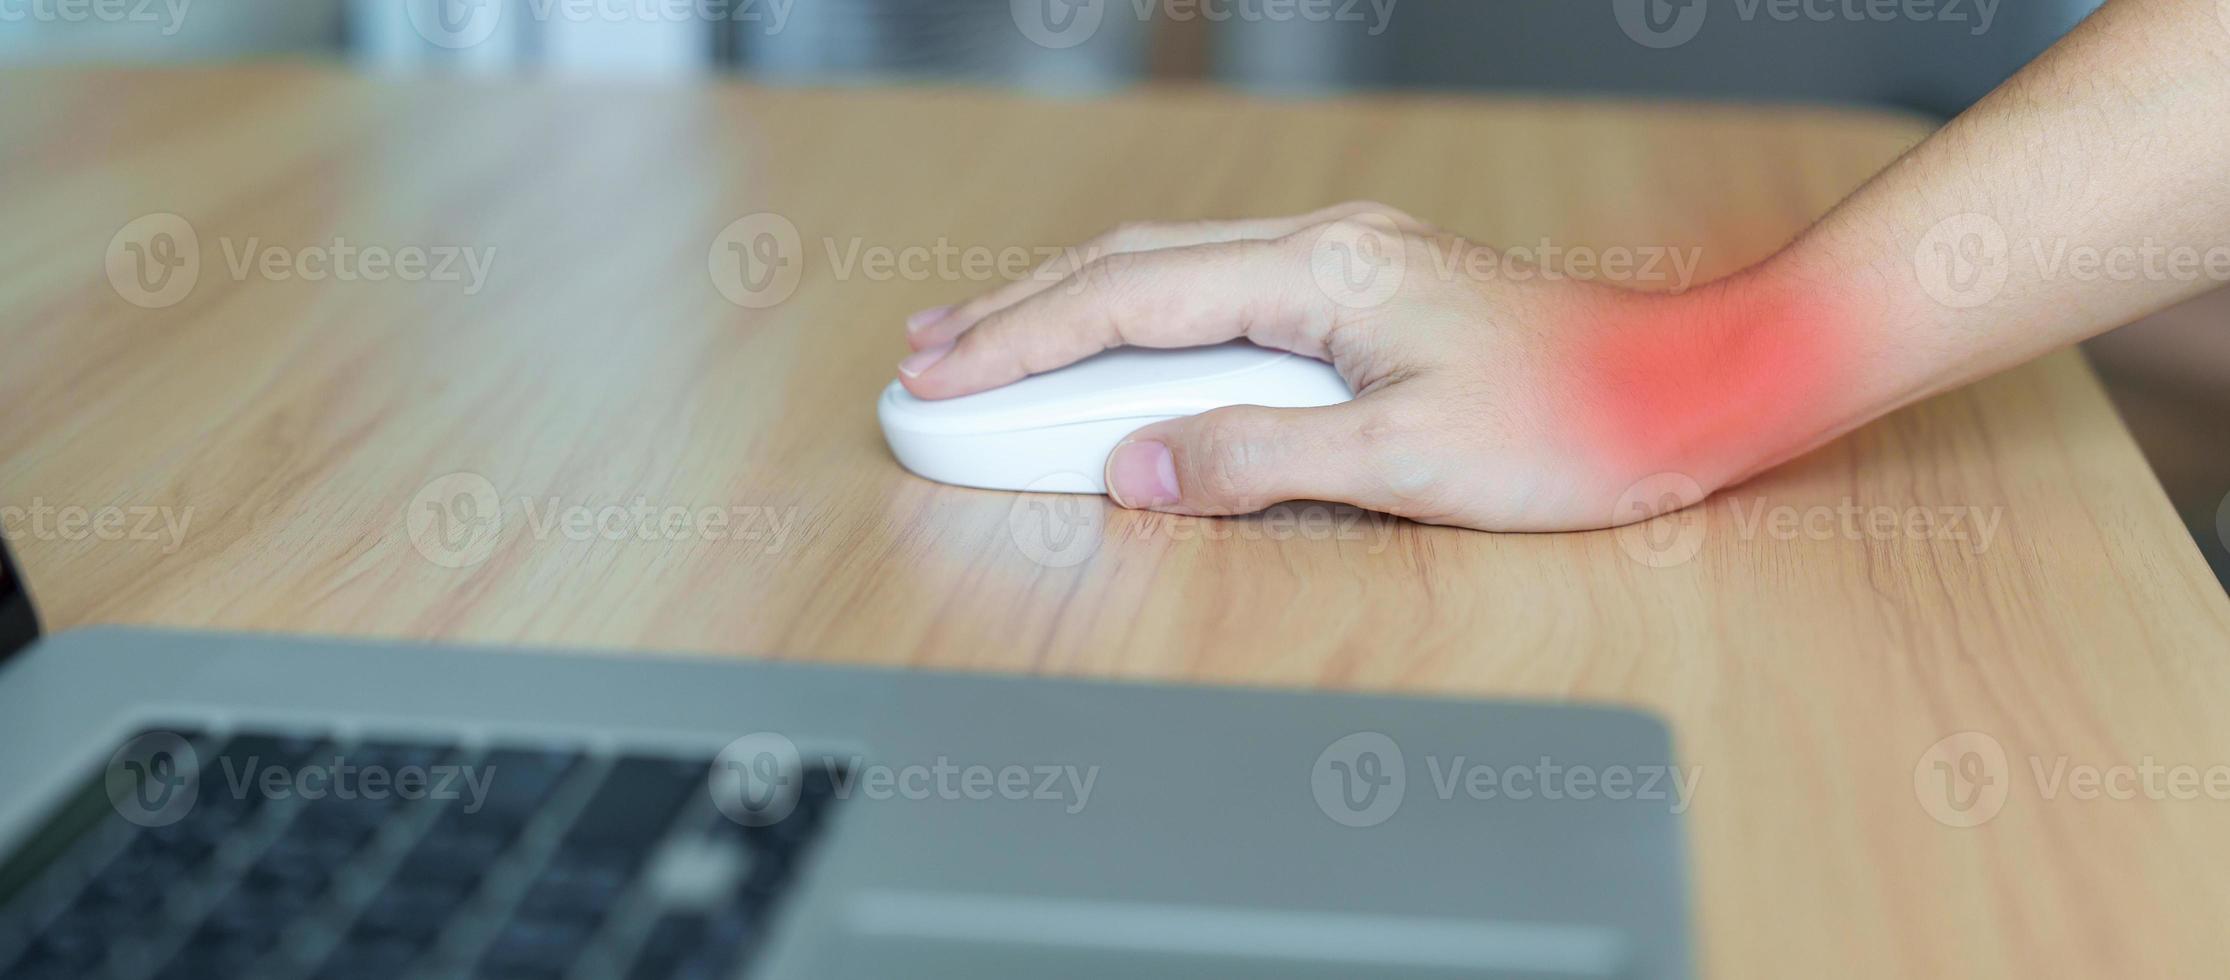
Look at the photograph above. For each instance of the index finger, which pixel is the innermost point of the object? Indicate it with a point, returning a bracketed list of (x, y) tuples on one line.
[(1179, 297)]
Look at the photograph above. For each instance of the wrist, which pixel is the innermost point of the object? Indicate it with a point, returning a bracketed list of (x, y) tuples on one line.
[(1723, 381)]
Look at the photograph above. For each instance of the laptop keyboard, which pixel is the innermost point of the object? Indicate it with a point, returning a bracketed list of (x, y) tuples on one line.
[(559, 862)]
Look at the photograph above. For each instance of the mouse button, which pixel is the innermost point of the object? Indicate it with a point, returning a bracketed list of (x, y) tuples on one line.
[(1026, 404)]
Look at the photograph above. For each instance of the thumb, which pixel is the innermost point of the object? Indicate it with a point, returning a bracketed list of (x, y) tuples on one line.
[(1241, 459)]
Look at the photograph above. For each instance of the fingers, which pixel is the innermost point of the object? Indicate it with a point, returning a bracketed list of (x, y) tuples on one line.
[(1242, 459), (1183, 297), (942, 325)]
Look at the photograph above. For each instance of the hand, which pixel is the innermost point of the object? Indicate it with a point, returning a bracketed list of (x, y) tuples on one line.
[(1473, 394)]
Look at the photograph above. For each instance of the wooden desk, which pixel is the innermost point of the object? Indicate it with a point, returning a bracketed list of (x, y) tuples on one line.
[(600, 363)]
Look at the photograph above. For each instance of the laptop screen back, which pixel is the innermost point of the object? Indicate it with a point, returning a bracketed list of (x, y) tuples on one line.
[(18, 627)]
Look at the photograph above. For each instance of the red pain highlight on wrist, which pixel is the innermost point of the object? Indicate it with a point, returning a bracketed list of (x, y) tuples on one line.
[(1715, 384)]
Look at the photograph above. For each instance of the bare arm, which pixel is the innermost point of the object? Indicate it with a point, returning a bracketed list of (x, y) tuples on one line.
[(2092, 188)]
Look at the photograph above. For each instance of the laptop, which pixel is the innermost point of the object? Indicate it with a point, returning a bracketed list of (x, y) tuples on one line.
[(207, 805)]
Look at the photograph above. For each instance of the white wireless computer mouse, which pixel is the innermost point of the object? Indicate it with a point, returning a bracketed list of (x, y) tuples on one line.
[(1052, 432)]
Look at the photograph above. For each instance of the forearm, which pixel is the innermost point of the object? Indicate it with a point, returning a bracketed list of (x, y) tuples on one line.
[(2091, 189)]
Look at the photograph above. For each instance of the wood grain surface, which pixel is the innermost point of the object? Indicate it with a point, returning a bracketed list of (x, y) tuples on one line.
[(1810, 636)]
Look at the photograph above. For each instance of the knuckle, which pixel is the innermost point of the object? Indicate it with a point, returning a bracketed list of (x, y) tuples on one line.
[(1106, 271), (1389, 425), (1227, 461), (1377, 209), (1127, 278), (1128, 235), (1398, 446), (1355, 228)]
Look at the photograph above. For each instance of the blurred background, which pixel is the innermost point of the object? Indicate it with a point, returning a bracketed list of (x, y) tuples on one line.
[(2170, 375)]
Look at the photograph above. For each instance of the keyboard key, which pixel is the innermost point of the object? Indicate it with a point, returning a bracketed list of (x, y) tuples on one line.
[(573, 890), (211, 956), (634, 805), (531, 946), (394, 755), (370, 957), (519, 781), (117, 907), (36, 964), (470, 834), (233, 779), (458, 850), (673, 939), (71, 948), (724, 942), (412, 910)]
